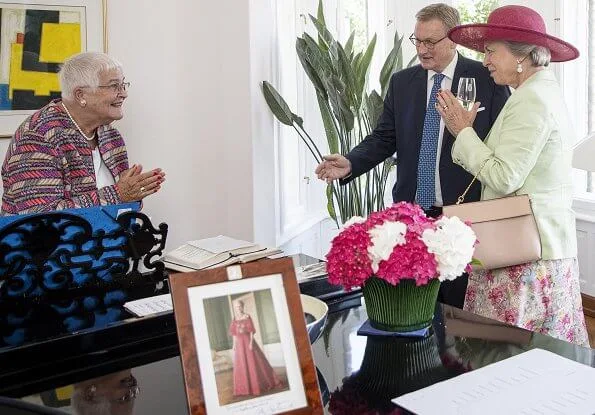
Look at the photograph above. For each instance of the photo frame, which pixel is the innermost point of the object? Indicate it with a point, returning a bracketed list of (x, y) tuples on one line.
[(232, 320), (36, 36)]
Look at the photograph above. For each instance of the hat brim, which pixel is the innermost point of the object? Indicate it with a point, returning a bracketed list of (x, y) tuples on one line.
[(474, 36)]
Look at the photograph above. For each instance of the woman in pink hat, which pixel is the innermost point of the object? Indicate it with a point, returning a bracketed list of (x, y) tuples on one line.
[(528, 151)]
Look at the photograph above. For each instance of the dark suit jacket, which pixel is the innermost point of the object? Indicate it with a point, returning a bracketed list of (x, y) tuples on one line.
[(400, 127)]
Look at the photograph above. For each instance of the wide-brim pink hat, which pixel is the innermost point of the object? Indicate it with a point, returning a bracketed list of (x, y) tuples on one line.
[(515, 24)]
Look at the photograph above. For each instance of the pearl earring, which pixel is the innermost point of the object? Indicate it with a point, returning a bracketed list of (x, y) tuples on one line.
[(519, 68), (83, 102)]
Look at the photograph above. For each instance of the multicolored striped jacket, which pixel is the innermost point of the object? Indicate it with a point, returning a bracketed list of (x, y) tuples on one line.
[(49, 165)]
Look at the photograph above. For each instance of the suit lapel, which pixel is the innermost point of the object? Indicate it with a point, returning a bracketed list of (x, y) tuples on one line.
[(460, 71)]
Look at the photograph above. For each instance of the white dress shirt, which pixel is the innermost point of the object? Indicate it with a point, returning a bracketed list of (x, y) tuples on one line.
[(449, 73)]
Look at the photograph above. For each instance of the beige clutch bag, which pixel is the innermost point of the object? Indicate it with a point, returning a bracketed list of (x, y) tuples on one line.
[(505, 228)]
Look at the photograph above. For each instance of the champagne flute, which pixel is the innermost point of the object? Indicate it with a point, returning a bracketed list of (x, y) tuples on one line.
[(466, 92)]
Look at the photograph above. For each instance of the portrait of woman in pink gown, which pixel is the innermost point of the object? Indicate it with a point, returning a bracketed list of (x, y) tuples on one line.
[(252, 372)]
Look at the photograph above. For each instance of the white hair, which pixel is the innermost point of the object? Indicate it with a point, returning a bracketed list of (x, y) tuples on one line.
[(83, 69), (538, 55), (99, 406)]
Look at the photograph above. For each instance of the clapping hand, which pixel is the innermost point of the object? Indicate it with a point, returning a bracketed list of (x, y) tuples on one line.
[(135, 185)]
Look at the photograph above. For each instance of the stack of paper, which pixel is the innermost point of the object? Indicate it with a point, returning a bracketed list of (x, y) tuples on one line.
[(150, 305), (535, 382)]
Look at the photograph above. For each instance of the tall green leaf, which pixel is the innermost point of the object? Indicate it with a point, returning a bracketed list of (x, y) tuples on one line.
[(317, 56), (320, 17), (349, 46), (375, 106), (340, 105), (363, 65), (277, 104), (390, 65), (324, 34), (330, 204), (339, 75), (332, 135), (347, 74), (301, 48)]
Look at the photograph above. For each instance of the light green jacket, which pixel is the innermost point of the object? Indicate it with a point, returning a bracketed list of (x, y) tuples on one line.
[(529, 151)]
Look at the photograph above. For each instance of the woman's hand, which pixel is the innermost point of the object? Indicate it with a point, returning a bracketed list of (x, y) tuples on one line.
[(134, 185), (456, 118)]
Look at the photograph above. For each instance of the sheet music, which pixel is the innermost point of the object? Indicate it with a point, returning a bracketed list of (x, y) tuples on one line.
[(150, 305), (536, 382)]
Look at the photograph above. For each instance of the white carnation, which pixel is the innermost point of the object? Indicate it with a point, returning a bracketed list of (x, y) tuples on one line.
[(452, 244), (353, 220), (384, 239)]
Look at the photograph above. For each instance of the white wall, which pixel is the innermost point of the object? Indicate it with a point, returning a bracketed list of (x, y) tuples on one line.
[(195, 109), (188, 110)]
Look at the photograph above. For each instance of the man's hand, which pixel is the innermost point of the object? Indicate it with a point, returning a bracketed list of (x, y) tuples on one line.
[(334, 167)]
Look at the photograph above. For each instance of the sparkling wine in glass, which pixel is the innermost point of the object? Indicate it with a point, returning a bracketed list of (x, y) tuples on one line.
[(466, 92)]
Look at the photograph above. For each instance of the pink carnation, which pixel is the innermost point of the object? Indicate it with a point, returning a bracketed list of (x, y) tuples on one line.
[(348, 263), (409, 261)]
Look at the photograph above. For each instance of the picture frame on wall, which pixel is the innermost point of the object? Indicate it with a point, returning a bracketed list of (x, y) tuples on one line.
[(36, 36), (235, 319)]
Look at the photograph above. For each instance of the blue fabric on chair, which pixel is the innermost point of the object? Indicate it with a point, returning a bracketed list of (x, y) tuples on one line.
[(65, 265), (426, 168), (10, 406)]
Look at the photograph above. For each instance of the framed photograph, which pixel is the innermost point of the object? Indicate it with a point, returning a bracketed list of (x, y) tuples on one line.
[(243, 340), (36, 36)]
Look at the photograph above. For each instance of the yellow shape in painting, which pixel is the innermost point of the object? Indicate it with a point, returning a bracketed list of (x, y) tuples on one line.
[(64, 392), (59, 41), (40, 82)]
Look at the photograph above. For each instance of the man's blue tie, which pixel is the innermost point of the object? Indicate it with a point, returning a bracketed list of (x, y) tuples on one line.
[(426, 168)]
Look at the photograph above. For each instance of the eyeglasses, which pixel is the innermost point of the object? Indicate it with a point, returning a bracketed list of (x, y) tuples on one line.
[(116, 86), (129, 382), (429, 44), (130, 395)]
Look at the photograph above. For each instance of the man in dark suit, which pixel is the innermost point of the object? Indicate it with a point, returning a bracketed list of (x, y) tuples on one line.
[(408, 126)]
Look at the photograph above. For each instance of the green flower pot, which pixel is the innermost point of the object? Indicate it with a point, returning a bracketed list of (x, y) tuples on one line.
[(402, 307)]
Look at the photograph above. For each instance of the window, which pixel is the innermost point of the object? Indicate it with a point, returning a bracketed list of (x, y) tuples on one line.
[(353, 17), (577, 78), (584, 185), (302, 196), (474, 11)]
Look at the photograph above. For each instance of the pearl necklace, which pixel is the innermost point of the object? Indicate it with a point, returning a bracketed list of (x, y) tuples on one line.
[(77, 126)]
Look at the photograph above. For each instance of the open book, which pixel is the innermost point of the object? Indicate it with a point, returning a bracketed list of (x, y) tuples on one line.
[(219, 251)]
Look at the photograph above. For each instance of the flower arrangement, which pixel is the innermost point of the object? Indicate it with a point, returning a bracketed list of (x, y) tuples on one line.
[(400, 243)]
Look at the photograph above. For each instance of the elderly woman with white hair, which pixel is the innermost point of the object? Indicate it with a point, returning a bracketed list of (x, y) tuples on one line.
[(67, 154), (528, 151)]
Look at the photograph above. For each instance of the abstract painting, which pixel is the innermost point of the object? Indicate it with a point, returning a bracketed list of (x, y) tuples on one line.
[(35, 38)]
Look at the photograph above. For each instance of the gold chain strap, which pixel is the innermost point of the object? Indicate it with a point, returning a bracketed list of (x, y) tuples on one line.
[(461, 198)]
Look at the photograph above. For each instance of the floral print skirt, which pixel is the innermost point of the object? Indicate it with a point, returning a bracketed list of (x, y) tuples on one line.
[(542, 296)]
